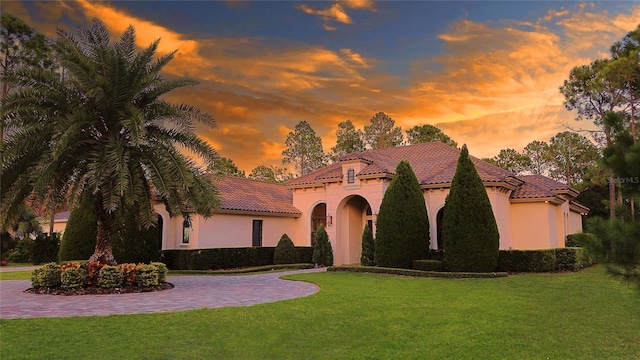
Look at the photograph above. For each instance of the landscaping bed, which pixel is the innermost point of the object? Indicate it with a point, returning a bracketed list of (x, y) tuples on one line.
[(98, 290)]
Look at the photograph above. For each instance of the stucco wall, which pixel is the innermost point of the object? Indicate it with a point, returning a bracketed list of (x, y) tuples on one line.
[(227, 230), (533, 224)]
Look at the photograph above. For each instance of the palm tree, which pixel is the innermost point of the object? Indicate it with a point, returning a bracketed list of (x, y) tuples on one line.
[(103, 129)]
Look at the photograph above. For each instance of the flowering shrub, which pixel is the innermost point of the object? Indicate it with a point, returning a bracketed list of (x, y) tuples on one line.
[(129, 274), (73, 276), (93, 272)]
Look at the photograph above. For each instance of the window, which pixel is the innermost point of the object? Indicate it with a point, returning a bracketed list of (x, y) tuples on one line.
[(351, 176), (186, 230), (256, 239)]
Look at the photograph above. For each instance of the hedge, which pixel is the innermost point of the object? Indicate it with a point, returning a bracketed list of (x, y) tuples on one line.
[(227, 258), (544, 260), (415, 273), (429, 265)]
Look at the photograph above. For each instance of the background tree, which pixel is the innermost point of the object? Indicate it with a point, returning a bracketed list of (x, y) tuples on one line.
[(322, 250), (304, 149), (470, 234), (225, 166), (348, 140), (511, 160), (367, 258), (427, 133), (20, 47), (382, 132), (537, 151), (402, 228), (104, 130), (570, 155), (263, 173)]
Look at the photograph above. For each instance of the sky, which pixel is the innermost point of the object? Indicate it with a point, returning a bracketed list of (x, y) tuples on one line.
[(486, 73)]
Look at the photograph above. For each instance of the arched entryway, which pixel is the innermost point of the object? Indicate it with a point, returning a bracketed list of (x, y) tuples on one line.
[(318, 217), (439, 218), (352, 214)]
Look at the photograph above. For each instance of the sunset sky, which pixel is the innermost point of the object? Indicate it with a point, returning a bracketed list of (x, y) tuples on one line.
[(485, 72)]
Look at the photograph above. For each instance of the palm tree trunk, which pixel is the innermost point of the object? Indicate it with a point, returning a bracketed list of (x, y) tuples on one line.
[(103, 251)]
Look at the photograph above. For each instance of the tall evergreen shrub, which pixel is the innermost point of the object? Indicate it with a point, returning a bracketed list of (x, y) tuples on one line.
[(367, 258), (322, 251), (285, 252), (79, 238), (402, 234), (131, 243), (470, 233)]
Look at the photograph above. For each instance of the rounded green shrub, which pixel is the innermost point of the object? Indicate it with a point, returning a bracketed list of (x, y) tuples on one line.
[(322, 251), (402, 234), (162, 271), (285, 252), (146, 276), (36, 278), (22, 251), (48, 276), (110, 277), (73, 278), (470, 233)]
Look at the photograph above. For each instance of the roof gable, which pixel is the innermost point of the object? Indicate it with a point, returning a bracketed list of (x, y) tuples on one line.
[(248, 195)]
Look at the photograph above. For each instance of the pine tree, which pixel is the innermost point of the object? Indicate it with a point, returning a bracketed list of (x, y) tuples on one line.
[(285, 252), (403, 226), (322, 251), (470, 232), (368, 248)]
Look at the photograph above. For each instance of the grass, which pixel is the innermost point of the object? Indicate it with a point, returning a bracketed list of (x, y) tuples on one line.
[(16, 275), (585, 315)]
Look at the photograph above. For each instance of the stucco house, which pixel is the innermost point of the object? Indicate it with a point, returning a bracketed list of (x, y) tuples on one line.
[(532, 211)]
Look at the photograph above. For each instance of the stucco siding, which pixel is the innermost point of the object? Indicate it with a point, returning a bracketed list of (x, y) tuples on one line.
[(532, 225), (236, 230)]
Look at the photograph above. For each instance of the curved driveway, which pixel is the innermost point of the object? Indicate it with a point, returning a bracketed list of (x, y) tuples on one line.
[(190, 292)]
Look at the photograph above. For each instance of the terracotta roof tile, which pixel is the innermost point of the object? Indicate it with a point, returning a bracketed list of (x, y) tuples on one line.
[(241, 194), (433, 163), (538, 186)]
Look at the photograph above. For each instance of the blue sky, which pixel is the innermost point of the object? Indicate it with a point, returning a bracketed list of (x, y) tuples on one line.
[(486, 72)]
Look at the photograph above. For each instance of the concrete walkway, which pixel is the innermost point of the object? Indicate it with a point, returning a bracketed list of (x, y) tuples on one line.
[(190, 292)]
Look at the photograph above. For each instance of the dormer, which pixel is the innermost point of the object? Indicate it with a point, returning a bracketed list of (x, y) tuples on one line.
[(350, 170)]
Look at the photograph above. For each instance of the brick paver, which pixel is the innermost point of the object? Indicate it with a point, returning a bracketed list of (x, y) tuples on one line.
[(190, 292)]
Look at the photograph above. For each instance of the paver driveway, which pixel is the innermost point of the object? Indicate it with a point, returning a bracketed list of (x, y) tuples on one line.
[(190, 292)]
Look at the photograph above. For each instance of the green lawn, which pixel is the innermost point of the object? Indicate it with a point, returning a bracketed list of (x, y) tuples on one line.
[(584, 315)]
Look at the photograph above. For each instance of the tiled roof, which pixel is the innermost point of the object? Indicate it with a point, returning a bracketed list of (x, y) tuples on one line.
[(538, 186), (241, 194), (433, 163)]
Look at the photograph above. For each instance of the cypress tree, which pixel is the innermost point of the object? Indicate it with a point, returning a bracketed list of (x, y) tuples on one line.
[(322, 251), (402, 233), (285, 252), (368, 248), (470, 233), (79, 238)]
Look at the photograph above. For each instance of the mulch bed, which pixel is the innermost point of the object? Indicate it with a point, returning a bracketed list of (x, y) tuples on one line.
[(98, 290)]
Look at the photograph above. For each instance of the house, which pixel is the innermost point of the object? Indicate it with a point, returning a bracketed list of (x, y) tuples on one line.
[(532, 211)]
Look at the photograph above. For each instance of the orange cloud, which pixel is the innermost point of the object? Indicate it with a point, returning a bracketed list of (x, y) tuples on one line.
[(336, 12)]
